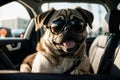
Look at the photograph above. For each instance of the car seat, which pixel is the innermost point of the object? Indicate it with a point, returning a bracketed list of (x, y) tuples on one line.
[(104, 49)]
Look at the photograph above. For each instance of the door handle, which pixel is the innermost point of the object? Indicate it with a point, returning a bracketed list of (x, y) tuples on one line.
[(15, 46)]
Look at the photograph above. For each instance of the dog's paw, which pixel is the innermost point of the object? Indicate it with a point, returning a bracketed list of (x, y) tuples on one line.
[(25, 68), (77, 72)]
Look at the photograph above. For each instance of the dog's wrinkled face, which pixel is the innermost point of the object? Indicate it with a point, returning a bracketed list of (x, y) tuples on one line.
[(66, 32)]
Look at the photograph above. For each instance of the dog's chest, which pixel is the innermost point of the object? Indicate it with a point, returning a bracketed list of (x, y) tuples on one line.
[(64, 65), (44, 65)]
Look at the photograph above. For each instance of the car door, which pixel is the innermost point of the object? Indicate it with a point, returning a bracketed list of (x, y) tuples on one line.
[(16, 27)]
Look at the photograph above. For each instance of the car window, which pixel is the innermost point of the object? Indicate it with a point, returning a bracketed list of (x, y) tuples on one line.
[(14, 19), (98, 10), (118, 6)]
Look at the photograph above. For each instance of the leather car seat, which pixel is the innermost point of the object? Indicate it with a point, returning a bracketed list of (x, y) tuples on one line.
[(99, 48)]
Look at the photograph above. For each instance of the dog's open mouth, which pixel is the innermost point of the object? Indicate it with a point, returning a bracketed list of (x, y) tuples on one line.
[(69, 44)]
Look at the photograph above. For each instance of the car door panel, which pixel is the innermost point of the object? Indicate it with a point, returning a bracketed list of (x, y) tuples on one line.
[(16, 49)]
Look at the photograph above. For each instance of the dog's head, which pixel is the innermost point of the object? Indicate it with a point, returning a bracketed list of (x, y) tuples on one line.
[(65, 30)]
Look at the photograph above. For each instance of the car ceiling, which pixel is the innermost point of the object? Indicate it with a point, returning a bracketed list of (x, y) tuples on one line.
[(109, 4), (2, 2)]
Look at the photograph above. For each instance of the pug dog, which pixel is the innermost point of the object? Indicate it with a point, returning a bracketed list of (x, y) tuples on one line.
[(62, 47)]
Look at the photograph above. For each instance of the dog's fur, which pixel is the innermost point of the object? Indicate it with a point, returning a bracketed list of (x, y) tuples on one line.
[(53, 54)]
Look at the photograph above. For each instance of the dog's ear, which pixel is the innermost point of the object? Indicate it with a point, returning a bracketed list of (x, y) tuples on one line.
[(43, 18), (88, 16)]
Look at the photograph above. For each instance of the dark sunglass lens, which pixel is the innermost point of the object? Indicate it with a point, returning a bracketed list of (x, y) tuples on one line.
[(57, 26), (77, 24)]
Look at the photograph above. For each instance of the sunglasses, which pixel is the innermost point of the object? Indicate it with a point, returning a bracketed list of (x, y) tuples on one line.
[(60, 25)]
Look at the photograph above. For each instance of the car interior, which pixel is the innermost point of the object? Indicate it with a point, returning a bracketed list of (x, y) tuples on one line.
[(106, 47), (103, 50)]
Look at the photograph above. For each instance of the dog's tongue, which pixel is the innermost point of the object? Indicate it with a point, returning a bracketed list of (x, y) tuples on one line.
[(69, 44)]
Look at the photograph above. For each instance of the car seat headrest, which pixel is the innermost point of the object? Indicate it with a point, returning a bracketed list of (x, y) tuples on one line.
[(112, 22)]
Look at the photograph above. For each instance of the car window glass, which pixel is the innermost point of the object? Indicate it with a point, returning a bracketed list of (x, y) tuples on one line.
[(14, 19), (98, 10), (118, 6)]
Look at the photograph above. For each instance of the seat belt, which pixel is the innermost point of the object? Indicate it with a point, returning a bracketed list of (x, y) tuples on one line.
[(108, 57)]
